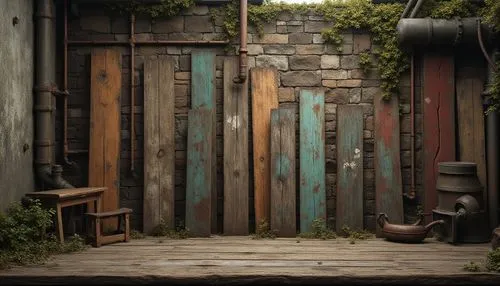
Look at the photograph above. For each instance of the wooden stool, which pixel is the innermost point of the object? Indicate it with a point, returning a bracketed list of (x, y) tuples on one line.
[(100, 238)]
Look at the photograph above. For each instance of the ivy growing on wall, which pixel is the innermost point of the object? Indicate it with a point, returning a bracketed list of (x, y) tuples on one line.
[(380, 20), (166, 8)]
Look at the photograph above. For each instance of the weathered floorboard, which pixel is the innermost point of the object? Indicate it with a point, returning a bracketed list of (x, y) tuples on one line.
[(159, 142), (439, 121), (349, 167), (264, 98), (471, 137), (312, 158), (198, 174), (388, 180), (283, 217), (104, 142), (236, 174), (203, 95), (228, 259)]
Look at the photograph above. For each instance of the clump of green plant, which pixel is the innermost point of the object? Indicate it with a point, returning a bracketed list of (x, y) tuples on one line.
[(472, 266), (493, 88), (163, 229), (25, 237), (493, 260), (263, 230), (166, 8), (491, 14), (365, 61), (354, 235), (319, 230), (135, 234)]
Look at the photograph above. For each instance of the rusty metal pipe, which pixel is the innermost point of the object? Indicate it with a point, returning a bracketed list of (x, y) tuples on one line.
[(411, 195), (65, 86), (132, 93), (242, 76), (151, 42), (44, 95)]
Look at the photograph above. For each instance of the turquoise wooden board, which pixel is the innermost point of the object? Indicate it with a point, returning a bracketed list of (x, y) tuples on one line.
[(198, 173), (203, 96), (349, 167), (312, 158)]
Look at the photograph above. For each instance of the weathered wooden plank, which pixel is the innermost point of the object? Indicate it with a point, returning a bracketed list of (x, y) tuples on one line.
[(159, 142), (283, 217), (236, 174), (439, 121), (471, 137), (388, 180), (264, 98), (349, 167), (104, 141), (312, 158), (203, 95), (198, 172)]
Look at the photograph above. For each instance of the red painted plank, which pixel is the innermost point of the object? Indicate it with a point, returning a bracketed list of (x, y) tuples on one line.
[(438, 101)]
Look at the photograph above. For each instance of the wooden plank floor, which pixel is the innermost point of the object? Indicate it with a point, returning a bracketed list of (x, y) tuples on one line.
[(243, 260)]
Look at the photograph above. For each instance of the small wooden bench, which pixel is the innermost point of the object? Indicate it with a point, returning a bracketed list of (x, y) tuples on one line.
[(100, 238)]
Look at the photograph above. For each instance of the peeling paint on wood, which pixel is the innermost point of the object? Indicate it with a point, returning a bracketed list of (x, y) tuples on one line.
[(104, 142), (349, 167), (159, 143), (388, 180), (236, 173), (312, 158), (283, 186), (203, 95), (264, 98), (198, 174), (439, 121)]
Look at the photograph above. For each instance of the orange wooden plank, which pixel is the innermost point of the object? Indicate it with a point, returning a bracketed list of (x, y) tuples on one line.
[(264, 98), (104, 143)]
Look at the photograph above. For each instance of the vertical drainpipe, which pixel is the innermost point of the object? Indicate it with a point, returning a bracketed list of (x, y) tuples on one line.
[(49, 175), (243, 42)]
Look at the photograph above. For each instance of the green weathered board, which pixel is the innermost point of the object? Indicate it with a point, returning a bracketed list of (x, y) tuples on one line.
[(198, 172), (349, 167), (388, 180), (203, 95), (312, 158), (236, 174), (159, 142), (283, 218)]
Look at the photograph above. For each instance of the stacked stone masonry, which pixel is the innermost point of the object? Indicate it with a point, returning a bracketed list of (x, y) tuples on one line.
[(293, 44)]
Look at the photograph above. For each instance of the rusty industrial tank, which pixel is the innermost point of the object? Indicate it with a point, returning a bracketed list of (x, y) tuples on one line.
[(460, 204)]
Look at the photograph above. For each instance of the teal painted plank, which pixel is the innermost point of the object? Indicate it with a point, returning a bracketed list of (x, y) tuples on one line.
[(283, 217), (312, 158), (198, 173), (388, 181), (349, 167), (203, 95)]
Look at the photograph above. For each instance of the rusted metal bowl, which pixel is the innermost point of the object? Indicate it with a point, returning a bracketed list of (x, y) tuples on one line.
[(412, 233)]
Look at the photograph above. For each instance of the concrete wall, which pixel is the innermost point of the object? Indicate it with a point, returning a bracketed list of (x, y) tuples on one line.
[(16, 100), (293, 44)]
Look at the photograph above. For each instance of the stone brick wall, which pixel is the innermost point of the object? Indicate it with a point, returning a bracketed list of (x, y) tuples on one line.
[(293, 44)]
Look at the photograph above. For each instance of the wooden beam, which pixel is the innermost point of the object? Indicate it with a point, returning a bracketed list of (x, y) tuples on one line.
[(159, 142), (236, 174), (312, 158), (283, 186), (203, 95), (198, 174), (349, 167), (264, 98), (104, 142), (439, 121), (388, 180)]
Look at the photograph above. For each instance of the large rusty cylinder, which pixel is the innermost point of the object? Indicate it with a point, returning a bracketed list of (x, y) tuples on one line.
[(422, 32), (456, 179)]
